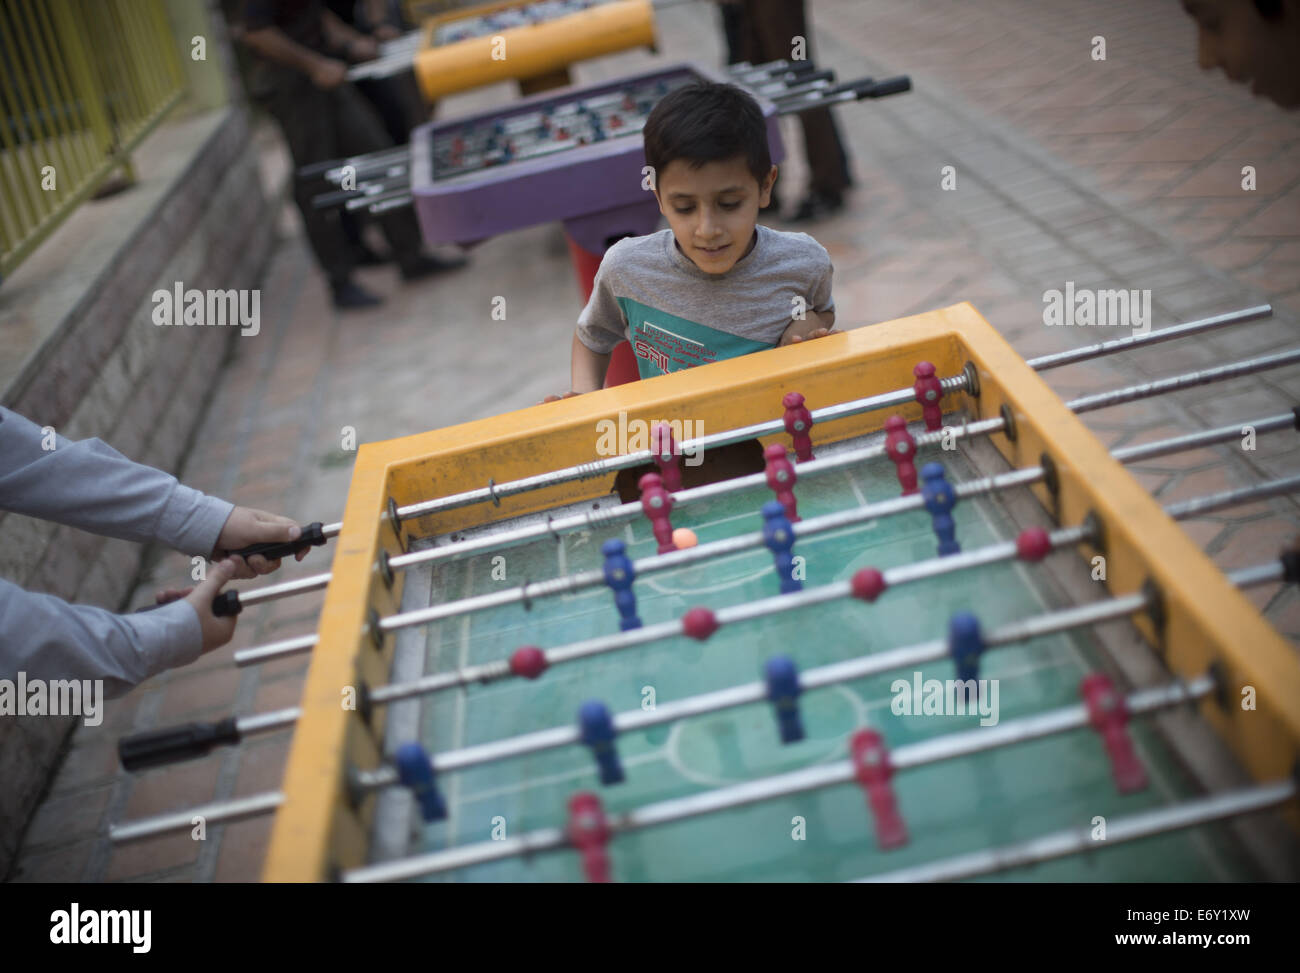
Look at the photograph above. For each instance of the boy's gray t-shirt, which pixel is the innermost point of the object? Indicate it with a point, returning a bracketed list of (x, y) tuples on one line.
[(677, 316)]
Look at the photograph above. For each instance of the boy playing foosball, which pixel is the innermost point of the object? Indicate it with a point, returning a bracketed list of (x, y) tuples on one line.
[(714, 285)]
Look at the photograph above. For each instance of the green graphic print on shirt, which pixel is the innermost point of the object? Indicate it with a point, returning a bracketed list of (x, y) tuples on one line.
[(665, 343)]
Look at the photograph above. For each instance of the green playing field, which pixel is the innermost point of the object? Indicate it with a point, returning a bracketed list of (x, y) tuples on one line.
[(996, 797)]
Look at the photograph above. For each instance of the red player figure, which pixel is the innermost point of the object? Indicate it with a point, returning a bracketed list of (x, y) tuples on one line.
[(872, 768), (657, 504), (781, 478), (1108, 712), (589, 833), (667, 458), (929, 392), (798, 423), (901, 448)]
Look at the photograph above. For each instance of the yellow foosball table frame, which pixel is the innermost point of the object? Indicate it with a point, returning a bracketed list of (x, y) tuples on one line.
[(1204, 623), (537, 55)]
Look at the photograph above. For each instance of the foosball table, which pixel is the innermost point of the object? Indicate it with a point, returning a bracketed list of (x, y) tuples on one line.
[(532, 41), (876, 606)]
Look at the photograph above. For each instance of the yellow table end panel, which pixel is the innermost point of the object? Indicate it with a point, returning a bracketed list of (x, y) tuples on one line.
[(534, 49), (1207, 621), (317, 830)]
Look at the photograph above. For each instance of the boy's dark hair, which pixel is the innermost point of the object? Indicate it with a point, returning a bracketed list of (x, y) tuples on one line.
[(707, 122)]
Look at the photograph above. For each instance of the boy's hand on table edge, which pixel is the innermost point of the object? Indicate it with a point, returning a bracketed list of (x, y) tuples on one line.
[(794, 339), (557, 398), (246, 526)]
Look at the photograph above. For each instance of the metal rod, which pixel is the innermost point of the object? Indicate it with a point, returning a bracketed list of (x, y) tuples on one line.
[(818, 777), (1075, 841), (391, 203), (1231, 498), (1210, 437), (1045, 362), (1104, 400), (332, 168), (400, 196), (218, 812), (275, 650), (778, 69)]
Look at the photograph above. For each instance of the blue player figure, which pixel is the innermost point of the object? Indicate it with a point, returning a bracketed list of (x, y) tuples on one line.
[(619, 575), (965, 644), (778, 535), (783, 690), (596, 728), (939, 500), (415, 770)]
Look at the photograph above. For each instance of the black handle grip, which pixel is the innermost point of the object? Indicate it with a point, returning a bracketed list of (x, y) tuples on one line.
[(313, 535), (157, 747), (226, 604), (890, 86)]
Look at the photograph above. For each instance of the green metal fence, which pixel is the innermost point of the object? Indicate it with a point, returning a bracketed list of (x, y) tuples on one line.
[(81, 83)]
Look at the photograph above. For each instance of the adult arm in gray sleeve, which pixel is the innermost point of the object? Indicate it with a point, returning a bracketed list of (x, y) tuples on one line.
[(49, 639), (90, 485)]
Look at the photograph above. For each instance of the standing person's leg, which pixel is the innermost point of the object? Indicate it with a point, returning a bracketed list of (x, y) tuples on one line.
[(303, 112), (361, 131), (732, 21), (777, 23), (398, 102), (745, 43)]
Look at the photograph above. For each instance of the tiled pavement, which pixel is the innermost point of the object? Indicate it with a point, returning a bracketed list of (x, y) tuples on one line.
[(1124, 172)]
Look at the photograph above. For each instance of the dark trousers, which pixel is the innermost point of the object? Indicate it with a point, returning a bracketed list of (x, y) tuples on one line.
[(398, 102), (764, 30), (321, 125)]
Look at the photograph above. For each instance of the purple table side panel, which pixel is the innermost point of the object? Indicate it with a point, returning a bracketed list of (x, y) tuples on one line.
[(595, 189)]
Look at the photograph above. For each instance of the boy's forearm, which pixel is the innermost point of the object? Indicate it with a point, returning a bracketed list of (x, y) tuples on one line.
[(587, 368), (812, 321)]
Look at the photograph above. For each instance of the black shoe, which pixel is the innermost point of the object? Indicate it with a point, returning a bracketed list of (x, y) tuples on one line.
[(423, 266), (349, 297), (818, 206)]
